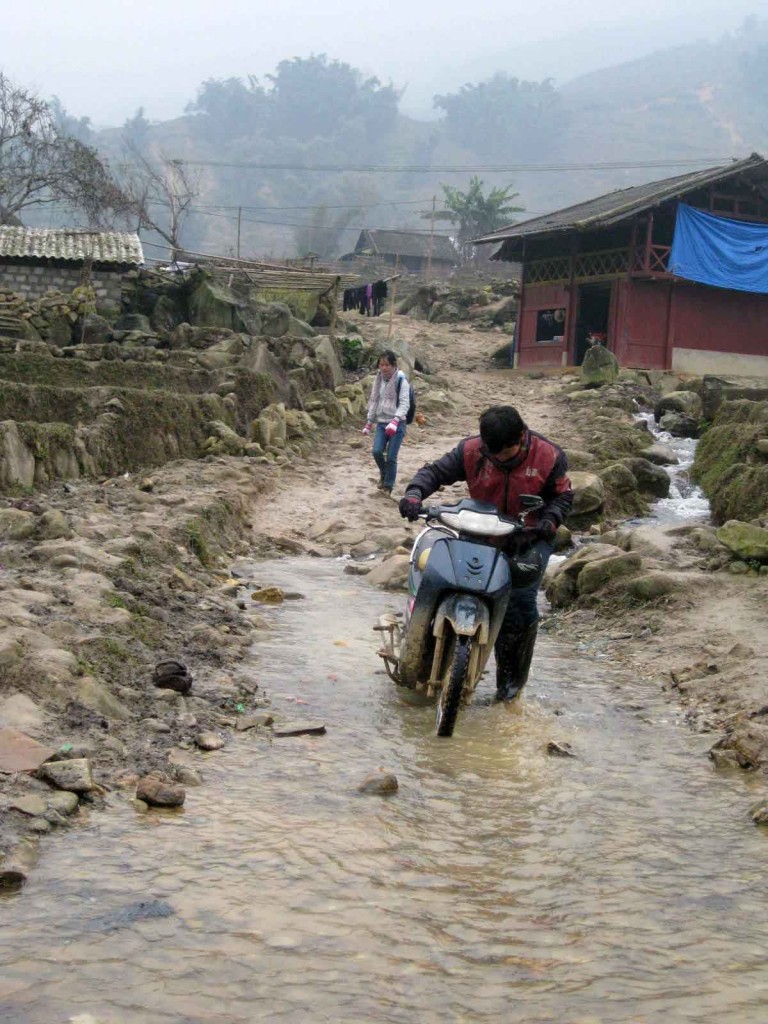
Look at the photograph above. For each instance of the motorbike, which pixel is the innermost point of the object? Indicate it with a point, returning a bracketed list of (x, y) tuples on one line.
[(459, 586)]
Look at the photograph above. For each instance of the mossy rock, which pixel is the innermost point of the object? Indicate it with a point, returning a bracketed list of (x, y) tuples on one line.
[(599, 573), (686, 402), (588, 492), (652, 586), (651, 479), (16, 524), (213, 305), (618, 479), (599, 367), (747, 542), (730, 470)]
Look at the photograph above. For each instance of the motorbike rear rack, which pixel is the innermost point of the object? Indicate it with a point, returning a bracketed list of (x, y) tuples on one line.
[(390, 629)]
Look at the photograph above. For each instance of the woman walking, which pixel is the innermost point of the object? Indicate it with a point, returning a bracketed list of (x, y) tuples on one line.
[(387, 412)]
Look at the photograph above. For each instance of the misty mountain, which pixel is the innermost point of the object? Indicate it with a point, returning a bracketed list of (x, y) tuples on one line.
[(700, 102)]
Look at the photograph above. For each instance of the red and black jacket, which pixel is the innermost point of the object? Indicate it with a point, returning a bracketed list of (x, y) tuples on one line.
[(540, 467)]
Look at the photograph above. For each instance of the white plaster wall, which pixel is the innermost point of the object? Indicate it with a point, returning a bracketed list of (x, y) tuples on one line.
[(698, 361)]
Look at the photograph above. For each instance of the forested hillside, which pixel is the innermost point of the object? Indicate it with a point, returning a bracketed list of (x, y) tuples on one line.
[(299, 160)]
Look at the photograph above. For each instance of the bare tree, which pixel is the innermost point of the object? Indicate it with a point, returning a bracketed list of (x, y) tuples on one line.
[(160, 194), (40, 164)]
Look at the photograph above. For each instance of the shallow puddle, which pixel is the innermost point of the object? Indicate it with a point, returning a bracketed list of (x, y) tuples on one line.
[(499, 884)]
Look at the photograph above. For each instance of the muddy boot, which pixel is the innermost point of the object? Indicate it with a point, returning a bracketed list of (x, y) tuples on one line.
[(514, 652)]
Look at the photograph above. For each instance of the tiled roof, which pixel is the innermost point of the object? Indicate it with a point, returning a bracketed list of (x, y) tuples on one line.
[(625, 202), (75, 244), (407, 243)]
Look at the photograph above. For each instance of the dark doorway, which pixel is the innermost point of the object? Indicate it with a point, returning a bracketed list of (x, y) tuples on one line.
[(592, 322)]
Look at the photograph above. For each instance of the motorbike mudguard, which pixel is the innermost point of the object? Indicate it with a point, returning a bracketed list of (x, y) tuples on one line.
[(467, 614), (455, 567)]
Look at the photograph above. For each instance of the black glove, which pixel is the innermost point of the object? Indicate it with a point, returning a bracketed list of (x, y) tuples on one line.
[(524, 539), (410, 506), (520, 541), (546, 530)]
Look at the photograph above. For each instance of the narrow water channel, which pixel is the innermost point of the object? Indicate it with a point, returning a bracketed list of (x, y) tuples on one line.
[(500, 884), (686, 501)]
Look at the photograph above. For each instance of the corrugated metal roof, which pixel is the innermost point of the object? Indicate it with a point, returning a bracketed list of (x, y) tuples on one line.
[(407, 243), (617, 206), (72, 244)]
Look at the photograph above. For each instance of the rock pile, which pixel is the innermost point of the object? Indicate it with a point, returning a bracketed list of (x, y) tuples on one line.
[(491, 305), (52, 318)]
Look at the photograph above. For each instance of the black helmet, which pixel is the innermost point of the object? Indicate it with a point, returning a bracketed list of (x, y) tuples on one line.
[(525, 568)]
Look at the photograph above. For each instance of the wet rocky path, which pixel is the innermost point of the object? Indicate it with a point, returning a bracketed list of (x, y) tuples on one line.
[(499, 883)]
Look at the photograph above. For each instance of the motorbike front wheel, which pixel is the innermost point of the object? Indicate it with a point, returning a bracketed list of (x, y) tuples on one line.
[(454, 676)]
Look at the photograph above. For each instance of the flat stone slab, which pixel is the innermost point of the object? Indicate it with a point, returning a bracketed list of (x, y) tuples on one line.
[(253, 722), (32, 804), (299, 729), (20, 753)]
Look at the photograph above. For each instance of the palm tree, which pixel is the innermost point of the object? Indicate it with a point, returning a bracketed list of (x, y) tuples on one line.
[(475, 213)]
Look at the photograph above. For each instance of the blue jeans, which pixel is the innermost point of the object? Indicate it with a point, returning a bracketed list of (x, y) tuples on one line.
[(385, 451)]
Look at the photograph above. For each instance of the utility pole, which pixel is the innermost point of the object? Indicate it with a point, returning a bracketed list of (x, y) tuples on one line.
[(394, 295), (239, 216), (431, 240)]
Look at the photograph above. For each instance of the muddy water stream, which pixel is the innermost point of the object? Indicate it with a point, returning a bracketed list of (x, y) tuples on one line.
[(499, 884)]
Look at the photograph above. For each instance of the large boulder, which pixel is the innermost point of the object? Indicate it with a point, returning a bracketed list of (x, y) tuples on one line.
[(600, 366), (391, 574), (276, 319), (133, 322), (300, 329), (16, 524), (660, 455), (561, 581), (599, 573), (270, 426), (213, 305), (651, 479), (715, 390), (93, 329), (222, 440), (653, 585), (325, 408), (588, 492), (747, 542), (59, 333), (17, 462), (325, 355), (618, 479), (686, 402), (166, 314), (678, 424), (298, 424)]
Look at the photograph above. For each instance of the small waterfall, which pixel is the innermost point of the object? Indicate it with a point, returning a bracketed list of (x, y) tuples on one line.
[(686, 499)]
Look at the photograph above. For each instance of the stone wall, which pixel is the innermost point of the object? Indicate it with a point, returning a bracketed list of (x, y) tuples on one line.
[(33, 282)]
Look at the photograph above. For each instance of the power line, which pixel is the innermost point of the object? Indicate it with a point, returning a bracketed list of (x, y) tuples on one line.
[(459, 168), (326, 206)]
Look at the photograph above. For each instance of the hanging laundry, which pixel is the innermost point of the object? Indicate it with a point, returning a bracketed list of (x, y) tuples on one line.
[(367, 299)]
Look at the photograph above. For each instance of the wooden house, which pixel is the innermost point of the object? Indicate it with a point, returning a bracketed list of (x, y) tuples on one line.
[(601, 268), (412, 248)]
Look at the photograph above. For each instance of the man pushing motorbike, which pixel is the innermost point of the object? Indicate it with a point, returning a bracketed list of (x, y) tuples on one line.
[(505, 461)]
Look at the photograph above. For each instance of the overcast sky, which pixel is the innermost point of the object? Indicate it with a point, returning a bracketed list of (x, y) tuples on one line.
[(105, 59)]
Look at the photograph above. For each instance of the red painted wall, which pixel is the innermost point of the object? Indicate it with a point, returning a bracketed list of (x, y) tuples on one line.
[(719, 320), (536, 297), (641, 324)]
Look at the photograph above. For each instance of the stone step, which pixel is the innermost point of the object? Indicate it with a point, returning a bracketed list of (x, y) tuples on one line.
[(12, 326)]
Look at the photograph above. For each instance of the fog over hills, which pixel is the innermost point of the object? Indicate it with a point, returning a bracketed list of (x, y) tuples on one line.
[(261, 148)]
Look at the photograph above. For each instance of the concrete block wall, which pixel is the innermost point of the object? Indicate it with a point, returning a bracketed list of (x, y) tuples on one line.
[(33, 282)]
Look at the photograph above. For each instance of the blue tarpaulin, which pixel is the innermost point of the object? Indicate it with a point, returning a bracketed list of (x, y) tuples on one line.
[(719, 251)]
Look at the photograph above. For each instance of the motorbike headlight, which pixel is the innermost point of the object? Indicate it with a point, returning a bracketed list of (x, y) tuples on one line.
[(483, 523)]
